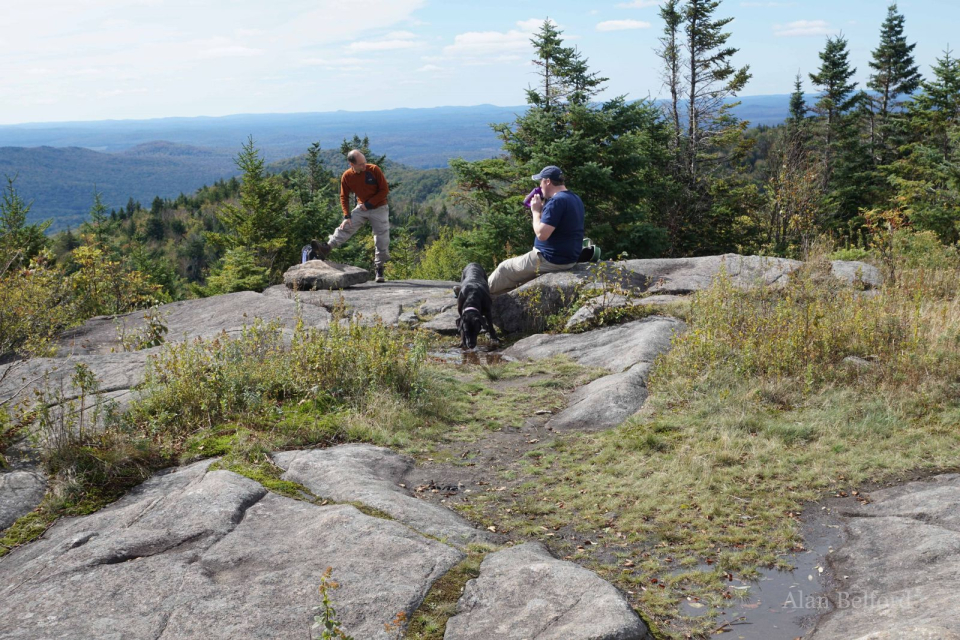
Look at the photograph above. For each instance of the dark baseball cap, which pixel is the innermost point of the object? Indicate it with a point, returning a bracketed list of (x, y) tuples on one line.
[(550, 172)]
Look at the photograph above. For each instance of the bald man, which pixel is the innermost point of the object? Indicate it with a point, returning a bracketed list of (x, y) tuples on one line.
[(366, 181)]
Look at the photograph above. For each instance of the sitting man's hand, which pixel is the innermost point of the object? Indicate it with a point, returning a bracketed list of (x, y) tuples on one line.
[(536, 205), (344, 224)]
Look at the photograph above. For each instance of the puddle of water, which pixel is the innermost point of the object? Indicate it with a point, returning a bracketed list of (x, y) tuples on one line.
[(781, 605), (480, 356)]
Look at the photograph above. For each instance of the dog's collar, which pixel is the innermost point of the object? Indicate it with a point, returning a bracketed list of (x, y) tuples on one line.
[(469, 309)]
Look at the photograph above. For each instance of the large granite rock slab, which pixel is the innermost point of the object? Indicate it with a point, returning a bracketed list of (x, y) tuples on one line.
[(628, 350), (524, 593), (188, 319), (116, 373), (592, 308), (372, 476), (192, 554), (322, 274), (898, 572), (525, 308), (20, 493), (615, 348), (605, 402), (373, 302)]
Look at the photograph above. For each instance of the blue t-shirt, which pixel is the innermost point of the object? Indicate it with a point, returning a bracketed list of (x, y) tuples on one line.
[(564, 211)]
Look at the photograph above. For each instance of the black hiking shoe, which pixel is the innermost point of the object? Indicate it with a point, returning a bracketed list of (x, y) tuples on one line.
[(379, 271), (320, 250)]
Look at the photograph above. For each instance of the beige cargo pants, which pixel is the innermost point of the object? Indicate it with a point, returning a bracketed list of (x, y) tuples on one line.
[(379, 221), (514, 272)]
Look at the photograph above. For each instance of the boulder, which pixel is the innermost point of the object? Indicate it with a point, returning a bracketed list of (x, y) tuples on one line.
[(372, 475), (445, 324), (373, 302), (524, 592), (614, 348), (192, 554), (886, 589), (20, 493), (322, 274), (188, 319)]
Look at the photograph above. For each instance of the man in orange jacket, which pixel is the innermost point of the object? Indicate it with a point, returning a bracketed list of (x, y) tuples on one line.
[(367, 182)]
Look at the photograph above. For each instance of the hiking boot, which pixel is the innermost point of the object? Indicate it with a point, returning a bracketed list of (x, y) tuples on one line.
[(379, 271), (320, 250)]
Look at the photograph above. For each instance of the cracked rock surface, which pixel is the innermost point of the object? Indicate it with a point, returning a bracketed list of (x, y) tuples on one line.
[(198, 554), (524, 593), (188, 319), (372, 475), (899, 569), (627, 349), (383, 301)]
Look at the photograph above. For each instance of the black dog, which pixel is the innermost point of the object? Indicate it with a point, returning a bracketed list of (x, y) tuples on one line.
[(474, 306)]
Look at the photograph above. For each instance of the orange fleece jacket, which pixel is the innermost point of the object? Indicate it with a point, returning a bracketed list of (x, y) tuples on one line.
[(370, 187)]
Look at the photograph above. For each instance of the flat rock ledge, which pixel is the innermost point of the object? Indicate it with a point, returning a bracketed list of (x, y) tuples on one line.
[(525, 308), (321, 274), (198, 554), (898, 572), (525, 593), (372, 476), (372, 302), (189, 319), (628, 350)]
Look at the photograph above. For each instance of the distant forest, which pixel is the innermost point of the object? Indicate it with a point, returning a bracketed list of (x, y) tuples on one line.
[(680, 177)]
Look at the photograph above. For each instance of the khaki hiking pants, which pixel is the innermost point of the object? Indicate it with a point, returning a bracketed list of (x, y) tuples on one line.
[(379, 221), (514, 272)]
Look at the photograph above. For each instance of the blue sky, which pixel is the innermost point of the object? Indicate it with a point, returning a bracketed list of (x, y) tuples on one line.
[(120, 59)]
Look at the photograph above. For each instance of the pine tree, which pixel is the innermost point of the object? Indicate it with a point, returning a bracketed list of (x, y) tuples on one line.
[(926, 178), (838, 97), (711, 79), (798, 106), (671, 53), (896, 74), (259, 222)]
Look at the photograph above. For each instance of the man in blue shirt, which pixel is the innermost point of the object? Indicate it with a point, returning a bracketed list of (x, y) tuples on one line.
[(558, 226)]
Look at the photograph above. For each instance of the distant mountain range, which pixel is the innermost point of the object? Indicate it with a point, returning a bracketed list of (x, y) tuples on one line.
[(59, 164)]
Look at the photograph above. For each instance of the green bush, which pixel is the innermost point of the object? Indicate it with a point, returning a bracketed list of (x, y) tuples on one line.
[(256, 382), (444, 258)]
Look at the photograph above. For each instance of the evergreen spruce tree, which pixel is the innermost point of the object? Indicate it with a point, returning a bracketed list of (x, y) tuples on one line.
[(671, 52), (711, 79), (926, 176), (838, 92), (895, 74)]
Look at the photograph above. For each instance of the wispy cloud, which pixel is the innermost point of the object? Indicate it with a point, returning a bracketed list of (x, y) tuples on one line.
[(504, 44), (803, 28), (383, 45), (622, 25)]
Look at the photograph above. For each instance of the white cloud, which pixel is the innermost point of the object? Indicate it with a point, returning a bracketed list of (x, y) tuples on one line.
[(639, 4), (383, 45), (430, 67), (230, 51), (332, 62), (621, 25), (803, 28), (501, 44)]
